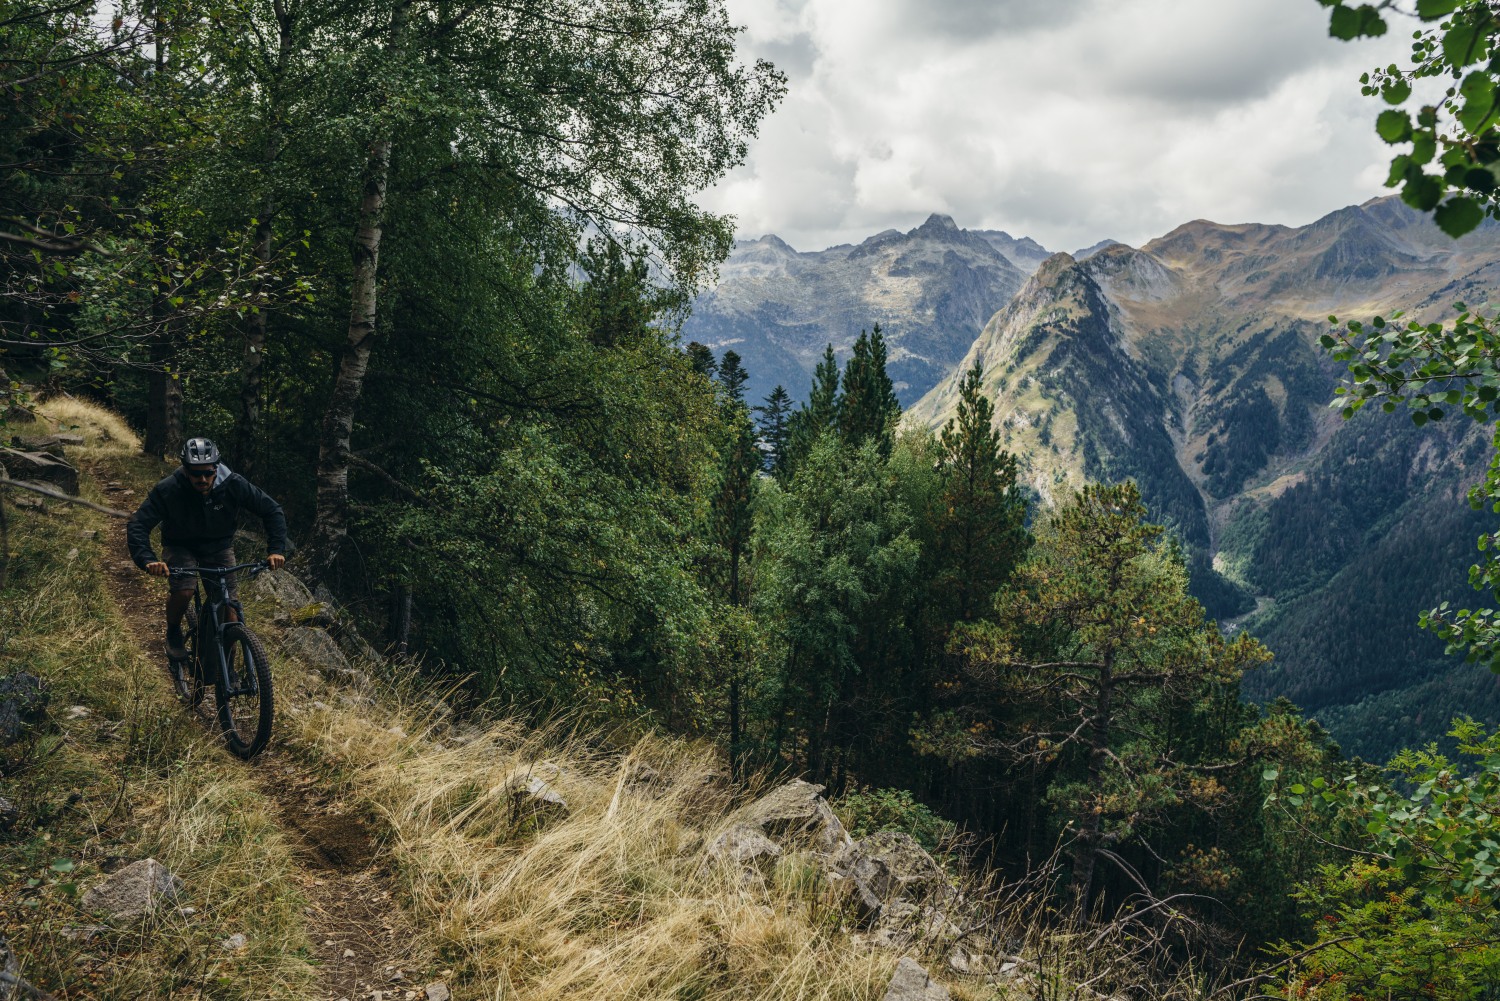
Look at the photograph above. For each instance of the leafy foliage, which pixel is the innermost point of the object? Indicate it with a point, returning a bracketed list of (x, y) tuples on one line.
[(1451, 167)]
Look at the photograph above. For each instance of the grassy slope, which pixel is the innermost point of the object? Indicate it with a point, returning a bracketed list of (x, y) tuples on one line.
[(129, 776), (613, 902)]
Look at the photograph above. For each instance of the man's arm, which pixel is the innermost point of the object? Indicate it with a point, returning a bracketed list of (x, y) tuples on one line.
[(138, 528), (271, 515)]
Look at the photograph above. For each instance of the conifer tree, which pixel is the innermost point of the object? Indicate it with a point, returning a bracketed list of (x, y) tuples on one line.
[(819, 415), (773, 422), (1097, 635), (732, 376), (981, 515), (869, 408), (701, 357)]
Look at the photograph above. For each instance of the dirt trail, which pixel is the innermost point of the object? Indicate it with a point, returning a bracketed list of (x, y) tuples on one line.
[(360, 939)]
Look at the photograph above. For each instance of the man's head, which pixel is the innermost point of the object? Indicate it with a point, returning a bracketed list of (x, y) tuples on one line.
[(200, 461)]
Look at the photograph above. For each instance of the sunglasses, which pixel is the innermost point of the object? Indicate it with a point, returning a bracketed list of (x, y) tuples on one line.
[(202, 474)]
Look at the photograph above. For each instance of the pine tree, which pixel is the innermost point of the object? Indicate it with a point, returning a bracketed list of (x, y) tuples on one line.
[(869, 408), (981, 515), (774, 425), (702, 359), (732, 376), (819, 415)]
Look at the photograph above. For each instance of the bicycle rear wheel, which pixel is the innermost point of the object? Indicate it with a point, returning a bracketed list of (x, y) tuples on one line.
[(245, 708), (187, 676)]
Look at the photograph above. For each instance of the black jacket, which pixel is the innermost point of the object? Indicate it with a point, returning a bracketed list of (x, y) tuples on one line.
[(187, 517)]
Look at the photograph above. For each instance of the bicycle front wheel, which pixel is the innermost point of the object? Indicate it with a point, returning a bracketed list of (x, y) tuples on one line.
[(245, 706)]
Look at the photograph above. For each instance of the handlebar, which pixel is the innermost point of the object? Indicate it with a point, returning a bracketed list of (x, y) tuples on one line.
[(221, 572)]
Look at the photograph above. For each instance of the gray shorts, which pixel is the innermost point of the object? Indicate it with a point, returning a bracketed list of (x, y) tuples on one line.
[(185, 556)]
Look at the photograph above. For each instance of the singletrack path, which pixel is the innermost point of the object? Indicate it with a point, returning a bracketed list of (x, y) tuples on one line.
[(360, 937)]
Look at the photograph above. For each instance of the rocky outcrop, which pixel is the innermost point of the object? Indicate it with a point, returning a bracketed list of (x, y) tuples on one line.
[(795, 816), (135, 891), (744, 845), (911, 983), (40, 467), (533, 797)]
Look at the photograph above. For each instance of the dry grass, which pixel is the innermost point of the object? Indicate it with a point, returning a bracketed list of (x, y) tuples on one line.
[(103, 430), (126, 776), (617, 900)]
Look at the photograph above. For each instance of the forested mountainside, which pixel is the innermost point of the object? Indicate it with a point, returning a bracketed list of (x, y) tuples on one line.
[(1191, 365), (929, 290)]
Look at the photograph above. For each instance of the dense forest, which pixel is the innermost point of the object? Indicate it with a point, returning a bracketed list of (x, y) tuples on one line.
[(419, 266)]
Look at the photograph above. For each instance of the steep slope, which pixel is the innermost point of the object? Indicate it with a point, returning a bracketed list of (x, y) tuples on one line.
[(1339, 533), (929, 289)]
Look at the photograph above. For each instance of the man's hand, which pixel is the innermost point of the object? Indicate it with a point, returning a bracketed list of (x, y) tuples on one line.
[(157, 569), (275, 560)]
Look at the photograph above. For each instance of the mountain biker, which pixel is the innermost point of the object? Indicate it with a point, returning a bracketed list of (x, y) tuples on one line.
[(198, 509)]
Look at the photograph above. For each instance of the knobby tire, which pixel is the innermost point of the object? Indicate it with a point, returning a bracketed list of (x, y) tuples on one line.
[(245, 719)]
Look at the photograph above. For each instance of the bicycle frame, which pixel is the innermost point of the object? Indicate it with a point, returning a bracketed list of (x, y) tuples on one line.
[(212, 621)]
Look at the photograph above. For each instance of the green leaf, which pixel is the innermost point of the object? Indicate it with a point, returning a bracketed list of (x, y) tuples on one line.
[(1431, 10), (1458, 215), (1343, 23), (62, 865), (1393, 125), (1462, 45), (1396, 91), (1270, 774), (1422, 192)]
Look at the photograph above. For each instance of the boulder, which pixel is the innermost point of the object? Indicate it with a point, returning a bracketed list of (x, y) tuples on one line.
[(911, 983), (437, 992), (23, 705), (50, 443), (744, 844), (39, 467), (317, 649), (535, 799), (890, 865), (134, 891), (281, 589), (796, 815)]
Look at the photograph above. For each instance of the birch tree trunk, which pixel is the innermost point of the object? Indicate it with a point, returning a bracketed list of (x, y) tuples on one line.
[(331, 527)]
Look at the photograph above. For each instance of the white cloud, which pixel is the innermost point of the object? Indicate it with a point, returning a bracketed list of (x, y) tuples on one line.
[(1064, 120)]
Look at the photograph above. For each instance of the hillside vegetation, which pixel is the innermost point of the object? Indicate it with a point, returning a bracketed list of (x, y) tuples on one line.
[(600, 609)]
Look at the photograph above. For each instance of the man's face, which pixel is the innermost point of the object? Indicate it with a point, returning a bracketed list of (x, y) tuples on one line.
[(202, 477)]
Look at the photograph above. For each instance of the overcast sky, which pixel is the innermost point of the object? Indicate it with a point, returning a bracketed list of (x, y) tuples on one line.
[(1064, 120)]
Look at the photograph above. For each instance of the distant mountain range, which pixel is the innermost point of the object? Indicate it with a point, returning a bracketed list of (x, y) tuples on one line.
[(929, 290), (1191, 365)]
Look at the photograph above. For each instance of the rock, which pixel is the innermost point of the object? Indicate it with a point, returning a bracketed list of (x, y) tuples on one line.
[(317, 649), (51, 444), (70, 440), (9, 814), (41, 468), (84, 933), (134, 891), (78, 712), (911, 983), (280, 588), (744, 844), (23, 705), (437, 992), (972, 962), (17, 414), (796, 814), (25, 501), (354, 645), (235, 942), (533, 798), (314, 613), (891, 865), (92, 534)]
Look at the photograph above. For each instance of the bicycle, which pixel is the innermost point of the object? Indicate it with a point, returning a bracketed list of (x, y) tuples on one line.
[(231, 657)]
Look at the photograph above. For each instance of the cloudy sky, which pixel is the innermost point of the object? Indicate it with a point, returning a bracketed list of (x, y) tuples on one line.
[(1064, 120)]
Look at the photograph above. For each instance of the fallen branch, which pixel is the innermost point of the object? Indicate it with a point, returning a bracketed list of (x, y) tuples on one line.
[(58, 495)]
